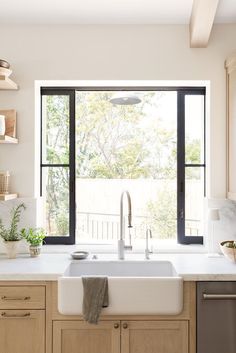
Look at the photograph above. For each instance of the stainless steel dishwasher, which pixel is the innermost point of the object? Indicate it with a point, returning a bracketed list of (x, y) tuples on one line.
[(216, 317)]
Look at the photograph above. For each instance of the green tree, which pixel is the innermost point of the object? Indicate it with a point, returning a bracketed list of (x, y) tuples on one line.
[(162, 213), (113, 141)]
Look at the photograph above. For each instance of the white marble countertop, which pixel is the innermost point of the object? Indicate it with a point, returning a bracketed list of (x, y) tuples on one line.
[(48, 267)]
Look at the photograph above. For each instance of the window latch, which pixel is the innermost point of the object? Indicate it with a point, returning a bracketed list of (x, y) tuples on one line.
[(181, 213)]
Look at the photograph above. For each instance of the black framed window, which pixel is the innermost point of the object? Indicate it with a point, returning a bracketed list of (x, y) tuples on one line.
[(58, 164), (190, 166), (61, 134)]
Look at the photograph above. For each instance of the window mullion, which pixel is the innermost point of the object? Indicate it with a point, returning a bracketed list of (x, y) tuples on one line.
[(72, 167), (181, 167)]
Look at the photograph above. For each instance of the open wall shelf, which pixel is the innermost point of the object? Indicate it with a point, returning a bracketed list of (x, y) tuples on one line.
[(7, 197), (7, 83), (8, 139)]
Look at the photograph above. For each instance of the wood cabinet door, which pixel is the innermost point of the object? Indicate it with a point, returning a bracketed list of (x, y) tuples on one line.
[(81, 337), (22, 331), (154, 337)]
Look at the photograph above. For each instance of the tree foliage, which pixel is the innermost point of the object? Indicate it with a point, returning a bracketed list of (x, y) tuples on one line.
[(113, 142)]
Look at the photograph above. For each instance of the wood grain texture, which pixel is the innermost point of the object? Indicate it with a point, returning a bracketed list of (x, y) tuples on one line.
[(48, 323), (19, 334), (63, 334), (154, 337), (22, 297), (80, 337)]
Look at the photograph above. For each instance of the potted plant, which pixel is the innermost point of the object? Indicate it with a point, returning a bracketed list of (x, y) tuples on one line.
[(10, 235), (34, 236)]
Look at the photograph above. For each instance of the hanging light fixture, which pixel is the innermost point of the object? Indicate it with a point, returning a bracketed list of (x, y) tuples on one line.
[(124, 98)]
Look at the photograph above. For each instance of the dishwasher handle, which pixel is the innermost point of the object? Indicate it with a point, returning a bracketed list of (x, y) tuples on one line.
[(207, 296)]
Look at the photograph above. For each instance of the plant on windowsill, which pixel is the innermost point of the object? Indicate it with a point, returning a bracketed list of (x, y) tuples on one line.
[(11, 235), (35, 237)]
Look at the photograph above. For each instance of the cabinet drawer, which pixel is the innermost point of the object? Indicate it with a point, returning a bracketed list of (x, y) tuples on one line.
[(22, 297)]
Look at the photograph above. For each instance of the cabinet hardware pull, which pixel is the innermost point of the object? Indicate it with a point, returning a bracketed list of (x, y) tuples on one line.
[(15, 316), (125, 325), (116, 325), (219, 296), (15, 298)]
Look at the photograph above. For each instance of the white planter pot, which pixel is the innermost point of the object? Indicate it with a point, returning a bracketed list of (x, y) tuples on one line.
[(11, 248)]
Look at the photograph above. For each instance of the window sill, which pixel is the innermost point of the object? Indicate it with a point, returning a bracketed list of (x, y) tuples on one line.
[(171, 248)]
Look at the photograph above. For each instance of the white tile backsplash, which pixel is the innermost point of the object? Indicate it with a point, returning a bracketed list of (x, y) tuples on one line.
[(225, 228)]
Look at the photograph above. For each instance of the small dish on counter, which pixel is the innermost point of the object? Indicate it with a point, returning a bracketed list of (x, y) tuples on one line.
[(79, 255), (228, 248)]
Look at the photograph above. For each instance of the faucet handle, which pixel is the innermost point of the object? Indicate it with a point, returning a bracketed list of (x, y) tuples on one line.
[(147, 253), (130, 220), (128, 247)]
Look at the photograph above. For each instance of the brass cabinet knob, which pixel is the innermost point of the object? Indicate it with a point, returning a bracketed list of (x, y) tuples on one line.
[(116, 325), (125, 325)]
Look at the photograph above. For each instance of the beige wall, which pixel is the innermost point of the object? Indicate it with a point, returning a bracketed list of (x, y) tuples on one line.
[(109, 52)]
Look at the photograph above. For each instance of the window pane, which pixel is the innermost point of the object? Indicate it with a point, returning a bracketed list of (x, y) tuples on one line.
[(55, 182), (194, 129), (55, 129), (194, 201), (126, 147)]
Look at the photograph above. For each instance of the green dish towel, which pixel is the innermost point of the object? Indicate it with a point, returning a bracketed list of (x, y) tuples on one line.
[(95, 297)]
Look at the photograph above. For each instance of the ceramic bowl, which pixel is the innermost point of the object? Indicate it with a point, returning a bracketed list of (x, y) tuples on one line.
[(4, 63), (79, 255), (229, 253)]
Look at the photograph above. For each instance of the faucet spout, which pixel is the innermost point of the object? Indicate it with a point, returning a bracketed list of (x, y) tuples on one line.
[(121, 242)]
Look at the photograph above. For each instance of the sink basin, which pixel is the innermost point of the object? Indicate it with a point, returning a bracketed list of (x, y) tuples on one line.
[(135, 287)]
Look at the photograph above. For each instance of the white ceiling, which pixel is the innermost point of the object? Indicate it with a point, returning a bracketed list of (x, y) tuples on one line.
[(226, 12), (106, 11)]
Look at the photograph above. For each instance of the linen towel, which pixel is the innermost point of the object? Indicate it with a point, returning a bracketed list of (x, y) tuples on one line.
[(95, 297)]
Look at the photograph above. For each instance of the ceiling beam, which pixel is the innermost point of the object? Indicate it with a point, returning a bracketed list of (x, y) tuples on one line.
[(201, 22)]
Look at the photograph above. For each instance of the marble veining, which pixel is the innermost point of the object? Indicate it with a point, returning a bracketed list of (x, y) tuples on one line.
[(192, 267)]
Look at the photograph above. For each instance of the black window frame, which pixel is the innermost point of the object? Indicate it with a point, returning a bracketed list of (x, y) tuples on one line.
[(67, 240), (181, 165), (182, 238)]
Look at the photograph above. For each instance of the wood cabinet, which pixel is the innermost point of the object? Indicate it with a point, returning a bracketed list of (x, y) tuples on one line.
[(154, 337), (30, 323), (22, 331), (22, 319), (134, 334), (120, 337), (80, 337), (22, 297), (230, 66)]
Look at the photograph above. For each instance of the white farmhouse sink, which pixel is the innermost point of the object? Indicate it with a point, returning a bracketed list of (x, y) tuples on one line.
[(135, 287)]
